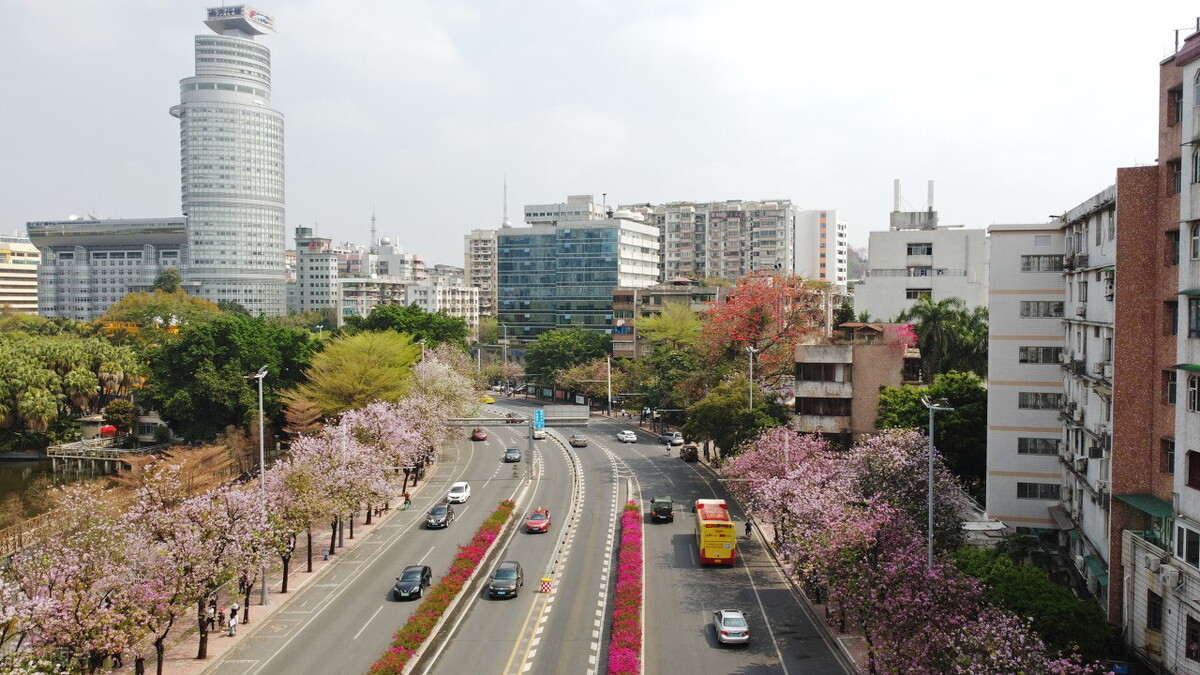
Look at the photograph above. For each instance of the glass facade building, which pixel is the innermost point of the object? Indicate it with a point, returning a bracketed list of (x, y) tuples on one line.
[(231, 148)]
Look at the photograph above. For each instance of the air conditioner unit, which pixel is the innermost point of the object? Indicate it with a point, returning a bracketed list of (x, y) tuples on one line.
[(1108, 370), (1152, 562), (1079, 562), (1064, 357), (1081, 310), (1098, 367), (1095, 452), (1102, 486), (1081, 464), (1168, 576), (1078, 415)]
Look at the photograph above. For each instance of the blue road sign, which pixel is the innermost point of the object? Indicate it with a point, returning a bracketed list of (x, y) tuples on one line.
[(539, 419)]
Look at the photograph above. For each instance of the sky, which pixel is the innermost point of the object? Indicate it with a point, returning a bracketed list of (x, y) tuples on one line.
[(420, 111)]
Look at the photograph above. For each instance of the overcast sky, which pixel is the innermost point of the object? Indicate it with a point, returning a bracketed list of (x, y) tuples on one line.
[(420, 110)]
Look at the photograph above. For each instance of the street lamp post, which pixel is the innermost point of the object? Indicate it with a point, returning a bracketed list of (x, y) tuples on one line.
[(608, 370), (422, 343), (504, 345), (933, 406), (262, 469), (751, 351)]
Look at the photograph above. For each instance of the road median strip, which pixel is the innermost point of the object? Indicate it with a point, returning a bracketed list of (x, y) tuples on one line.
[(625, 641)]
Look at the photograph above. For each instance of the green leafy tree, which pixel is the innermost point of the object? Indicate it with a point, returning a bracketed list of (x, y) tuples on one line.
[(844, 314), (677, 326), (198, 378), (724, 417), (168, 281), (1065, 622), (562, 349), (950, 336), (159, 308), (356, 370), (121, 414), (435, 329), (961, 434), (231, 307), (489, 330)]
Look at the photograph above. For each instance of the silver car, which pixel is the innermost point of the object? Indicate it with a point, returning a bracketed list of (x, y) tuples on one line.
[(626, 436), (731, 627)]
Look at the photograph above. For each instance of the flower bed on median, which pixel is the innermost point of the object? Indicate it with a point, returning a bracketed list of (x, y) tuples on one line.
[(410, 637), (625, 641)]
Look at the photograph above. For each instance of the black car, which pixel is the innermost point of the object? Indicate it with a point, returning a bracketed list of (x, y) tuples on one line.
[(507, 580), (439, 516), (412, 582), (512, 454)]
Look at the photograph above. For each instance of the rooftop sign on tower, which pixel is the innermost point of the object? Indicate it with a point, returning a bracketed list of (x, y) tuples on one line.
[(240, 18)]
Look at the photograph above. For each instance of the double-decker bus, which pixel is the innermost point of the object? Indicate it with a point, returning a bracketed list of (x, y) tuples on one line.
[(716, 535)]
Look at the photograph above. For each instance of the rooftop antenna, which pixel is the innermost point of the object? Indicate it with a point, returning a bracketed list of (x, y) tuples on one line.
[(506, 222), (373, 241)]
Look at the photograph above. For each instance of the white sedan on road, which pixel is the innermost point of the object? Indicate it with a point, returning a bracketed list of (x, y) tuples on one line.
[(626, 436), (459, 493)]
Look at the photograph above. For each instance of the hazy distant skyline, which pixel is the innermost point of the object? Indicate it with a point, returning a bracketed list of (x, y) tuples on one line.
[(421, 110)]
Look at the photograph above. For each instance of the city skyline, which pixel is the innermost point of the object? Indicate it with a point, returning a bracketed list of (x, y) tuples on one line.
[(419, 112)]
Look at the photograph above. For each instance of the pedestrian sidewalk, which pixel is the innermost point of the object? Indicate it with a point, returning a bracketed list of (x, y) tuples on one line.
[(180, 657)]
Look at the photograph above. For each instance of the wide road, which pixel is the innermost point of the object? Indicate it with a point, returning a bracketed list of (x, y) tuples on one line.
[(681, 595), (342, 623), (563, 631)]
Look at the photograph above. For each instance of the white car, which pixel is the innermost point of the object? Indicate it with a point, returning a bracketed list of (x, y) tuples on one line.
[(459, 493), (731, 627), (539, 434), (626, 436)]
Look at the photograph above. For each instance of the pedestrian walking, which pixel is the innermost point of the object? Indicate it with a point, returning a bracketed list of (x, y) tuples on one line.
[(407, 501), (116, 660), (233, 626), (212, 617), (233, 613), (749, 527), (139, 666), (221, 618)]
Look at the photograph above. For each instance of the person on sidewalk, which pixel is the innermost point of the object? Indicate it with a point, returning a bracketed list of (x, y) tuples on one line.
[(233, 625), (749, 527), (407, 501), (232, 615), (221, 618), (212, 617)]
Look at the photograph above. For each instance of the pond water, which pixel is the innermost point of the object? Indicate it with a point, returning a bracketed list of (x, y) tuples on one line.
[(17, 477)]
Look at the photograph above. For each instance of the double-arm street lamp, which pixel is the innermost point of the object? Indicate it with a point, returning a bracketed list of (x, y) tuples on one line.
[(262, 468), (751, 351), (939, 405)]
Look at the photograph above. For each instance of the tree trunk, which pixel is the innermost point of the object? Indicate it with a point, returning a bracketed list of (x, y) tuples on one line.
[(202, 652), (160, 652), (368, 515), (309, 533), (246, 603), (333, 525), (287, 559), (352, 524)]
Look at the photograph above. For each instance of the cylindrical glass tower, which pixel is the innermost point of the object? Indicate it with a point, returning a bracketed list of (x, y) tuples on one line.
[(231, 148)]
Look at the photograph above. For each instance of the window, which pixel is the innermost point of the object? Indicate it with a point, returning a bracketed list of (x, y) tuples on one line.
[(920, 271), (1039, 354), (917, 293), (1154, 612), (1175, 106), (1195, 241), (1169, 386), (1037, 446), (1041, 309), (1176, 175), (1193, 393), (1173, 247), (1047, 491), (1187, 545), (1041, 263), (836, 407), (920, 249), (1171, 317), (1035, 400), (1167, 455), (817, 372), (1193, 469), (1196, 166), (1192, 639)]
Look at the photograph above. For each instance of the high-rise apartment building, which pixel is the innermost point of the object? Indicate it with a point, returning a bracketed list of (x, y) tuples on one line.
[(479, 263), (724, 239), (915, 258), (822, 249), (231, 150)]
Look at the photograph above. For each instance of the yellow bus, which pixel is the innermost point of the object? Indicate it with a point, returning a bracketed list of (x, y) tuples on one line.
[(716, 535)]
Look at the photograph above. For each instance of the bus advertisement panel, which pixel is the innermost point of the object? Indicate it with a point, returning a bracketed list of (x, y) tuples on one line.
[(716, 535)]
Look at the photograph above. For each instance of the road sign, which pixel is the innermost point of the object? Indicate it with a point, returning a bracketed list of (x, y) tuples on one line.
[(539, 419)]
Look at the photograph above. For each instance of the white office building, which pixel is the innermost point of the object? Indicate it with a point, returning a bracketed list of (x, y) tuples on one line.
[(822, 250), (231, 150), (916, 257)]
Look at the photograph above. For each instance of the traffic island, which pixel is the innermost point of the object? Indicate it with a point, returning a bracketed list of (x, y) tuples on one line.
[(625, 640)]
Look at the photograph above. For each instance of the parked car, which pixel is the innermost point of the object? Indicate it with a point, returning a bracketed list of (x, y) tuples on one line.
[(539, 434), (671, 438), (478, 434), (512, 454), (487, 398), (412, 582), (689, 453), (577, 441), (538, 521), (459, 493), (731, 627), (507, 580), (663, 508), (627, 436), (440, 516)]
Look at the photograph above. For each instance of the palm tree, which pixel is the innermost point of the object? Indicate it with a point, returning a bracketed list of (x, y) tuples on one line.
[(936, 325)]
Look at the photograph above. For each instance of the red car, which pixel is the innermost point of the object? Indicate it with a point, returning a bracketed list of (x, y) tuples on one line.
[(478, 434), (538, 521)]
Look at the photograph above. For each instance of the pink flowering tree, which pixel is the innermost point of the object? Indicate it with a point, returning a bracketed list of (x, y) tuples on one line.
[(296, 503), (392, 439), (74, 600), (251, 540)]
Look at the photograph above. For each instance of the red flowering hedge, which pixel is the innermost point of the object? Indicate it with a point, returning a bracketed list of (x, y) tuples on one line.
[(625, 641), (410, 637)]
